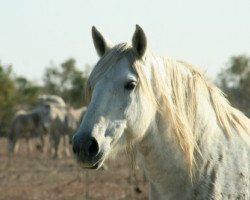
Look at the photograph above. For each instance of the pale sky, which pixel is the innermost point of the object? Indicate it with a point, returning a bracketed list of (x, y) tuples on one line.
[(204, 33)]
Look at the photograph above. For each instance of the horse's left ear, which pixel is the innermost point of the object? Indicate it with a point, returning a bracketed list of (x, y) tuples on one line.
[(139, 41)]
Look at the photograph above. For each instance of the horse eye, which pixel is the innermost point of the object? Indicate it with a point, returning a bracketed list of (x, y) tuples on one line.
[(130, 85)]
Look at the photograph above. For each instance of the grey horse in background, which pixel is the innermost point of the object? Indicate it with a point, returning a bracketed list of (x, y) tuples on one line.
[(28, 124), (73, 119), (63, 122)]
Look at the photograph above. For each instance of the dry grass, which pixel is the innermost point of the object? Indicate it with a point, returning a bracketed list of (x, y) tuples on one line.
[(37, 176)]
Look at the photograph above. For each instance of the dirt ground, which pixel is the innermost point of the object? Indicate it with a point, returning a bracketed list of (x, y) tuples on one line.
[(38, 177)]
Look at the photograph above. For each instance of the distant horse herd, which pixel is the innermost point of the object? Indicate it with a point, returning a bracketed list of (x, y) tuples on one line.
[(51, 120)]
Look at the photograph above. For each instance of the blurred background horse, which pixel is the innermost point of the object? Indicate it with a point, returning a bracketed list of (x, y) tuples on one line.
[(28, 124), (63, 120)]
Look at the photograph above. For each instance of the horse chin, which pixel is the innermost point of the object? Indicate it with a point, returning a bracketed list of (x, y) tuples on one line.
[(96, 165)]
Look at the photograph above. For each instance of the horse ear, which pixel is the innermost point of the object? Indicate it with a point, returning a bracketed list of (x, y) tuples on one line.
[(102, 45), (139, 41)]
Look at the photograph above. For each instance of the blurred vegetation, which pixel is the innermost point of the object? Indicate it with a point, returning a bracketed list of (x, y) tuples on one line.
[(66, 81), (17, 92), (7, 97), (234, 79)]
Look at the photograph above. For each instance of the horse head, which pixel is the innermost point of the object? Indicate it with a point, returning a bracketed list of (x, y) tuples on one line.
[(118, 113)]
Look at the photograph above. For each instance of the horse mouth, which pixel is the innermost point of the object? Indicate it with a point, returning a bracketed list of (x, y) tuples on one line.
[(95, 166)]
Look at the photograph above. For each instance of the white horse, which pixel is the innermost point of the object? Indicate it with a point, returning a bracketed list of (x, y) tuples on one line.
[(63, 121), (190, 142)]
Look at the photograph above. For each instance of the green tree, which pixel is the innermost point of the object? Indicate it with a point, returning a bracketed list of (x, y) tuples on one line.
[(51, 80), (235, 81), (66, 81), (7, 97), (27, 92), (76, 92)]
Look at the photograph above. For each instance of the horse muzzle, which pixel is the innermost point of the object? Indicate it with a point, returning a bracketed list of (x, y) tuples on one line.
[(87, 151)]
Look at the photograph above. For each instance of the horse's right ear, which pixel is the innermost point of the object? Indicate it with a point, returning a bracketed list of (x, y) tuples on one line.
[(139, 41), (102, 45)]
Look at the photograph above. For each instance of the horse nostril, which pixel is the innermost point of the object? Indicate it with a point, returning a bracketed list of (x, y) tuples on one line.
[(93, 148), (85, 148)]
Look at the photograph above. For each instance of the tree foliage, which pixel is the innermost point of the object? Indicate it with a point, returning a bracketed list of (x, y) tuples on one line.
[(27, 92), (235, 81), (7, 96), (66, 81)]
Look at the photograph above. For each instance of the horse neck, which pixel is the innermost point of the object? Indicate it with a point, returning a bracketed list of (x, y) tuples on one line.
[(162, 161), (162, 158)]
